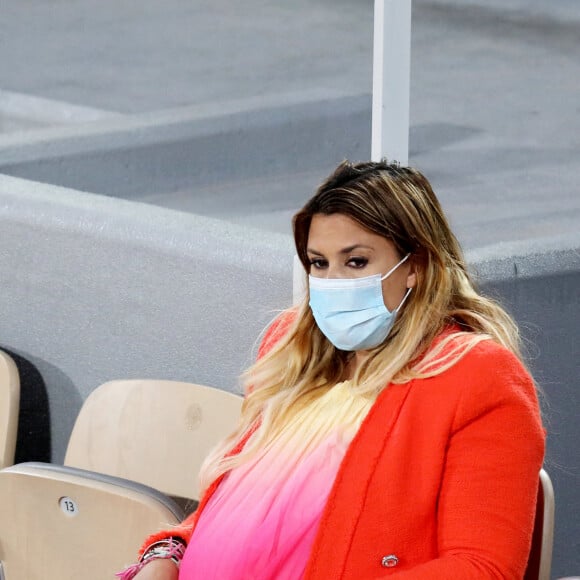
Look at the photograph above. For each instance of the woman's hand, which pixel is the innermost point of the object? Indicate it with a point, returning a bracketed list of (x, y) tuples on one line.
[(160, 569)]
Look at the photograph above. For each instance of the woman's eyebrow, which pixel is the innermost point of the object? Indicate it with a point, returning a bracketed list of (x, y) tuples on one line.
[(346, 250), (349, 249)]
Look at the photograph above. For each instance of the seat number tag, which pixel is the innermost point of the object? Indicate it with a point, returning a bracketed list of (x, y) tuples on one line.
[(68, 506)]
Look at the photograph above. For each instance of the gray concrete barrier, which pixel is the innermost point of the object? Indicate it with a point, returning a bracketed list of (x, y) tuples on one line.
[(95, 288)]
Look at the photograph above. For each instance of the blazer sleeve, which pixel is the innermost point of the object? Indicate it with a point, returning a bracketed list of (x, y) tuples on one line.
[(489, 488), (277, 329)]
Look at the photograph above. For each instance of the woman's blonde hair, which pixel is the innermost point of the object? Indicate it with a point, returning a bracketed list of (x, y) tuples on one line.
[(398, 204)]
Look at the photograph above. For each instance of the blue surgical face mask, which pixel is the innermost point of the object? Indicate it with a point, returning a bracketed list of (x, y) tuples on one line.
[(351, 312)]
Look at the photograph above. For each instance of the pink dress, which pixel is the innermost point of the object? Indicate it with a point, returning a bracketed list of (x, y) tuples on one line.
[(261, 522)]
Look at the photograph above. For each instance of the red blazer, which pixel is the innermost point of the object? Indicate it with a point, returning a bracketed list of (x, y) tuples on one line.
[(439, 483)]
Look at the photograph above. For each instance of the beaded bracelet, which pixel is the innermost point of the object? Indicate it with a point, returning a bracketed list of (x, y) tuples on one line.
[(169, 549)]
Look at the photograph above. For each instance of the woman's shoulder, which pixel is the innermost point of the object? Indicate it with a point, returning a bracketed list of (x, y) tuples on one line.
[(489, 356), (464, 364), (475, 350), (276, 330), (489, 374)]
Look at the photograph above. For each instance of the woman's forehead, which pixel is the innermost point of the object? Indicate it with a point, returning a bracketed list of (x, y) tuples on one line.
[(339, 231)]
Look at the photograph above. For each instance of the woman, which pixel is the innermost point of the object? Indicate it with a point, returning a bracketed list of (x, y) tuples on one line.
[(389, 427)]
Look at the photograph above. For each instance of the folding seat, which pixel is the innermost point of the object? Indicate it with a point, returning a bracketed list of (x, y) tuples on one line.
[(152, 431), (540, 560), (9, 407), (62, 523)]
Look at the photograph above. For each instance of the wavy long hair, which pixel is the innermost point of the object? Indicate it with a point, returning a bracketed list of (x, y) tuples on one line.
[(398, 204)]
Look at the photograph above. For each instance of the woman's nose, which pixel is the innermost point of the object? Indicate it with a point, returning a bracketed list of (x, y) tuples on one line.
[(333, 272)]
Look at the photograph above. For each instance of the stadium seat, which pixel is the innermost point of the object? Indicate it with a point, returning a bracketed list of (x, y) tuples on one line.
[(151, 431), (540, 561), (60, 523), (9, 407)]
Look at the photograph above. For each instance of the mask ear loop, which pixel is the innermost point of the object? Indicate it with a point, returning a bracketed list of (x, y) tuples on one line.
[(395, 267), (404, 299)]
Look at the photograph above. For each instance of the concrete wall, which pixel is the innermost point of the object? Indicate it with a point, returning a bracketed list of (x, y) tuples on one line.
[(95, 288)]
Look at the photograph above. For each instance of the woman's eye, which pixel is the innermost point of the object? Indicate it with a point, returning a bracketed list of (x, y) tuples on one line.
[(318, 263), (357, 262)]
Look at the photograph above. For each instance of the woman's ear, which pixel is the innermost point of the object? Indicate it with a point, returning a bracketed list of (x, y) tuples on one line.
[(412, 275)]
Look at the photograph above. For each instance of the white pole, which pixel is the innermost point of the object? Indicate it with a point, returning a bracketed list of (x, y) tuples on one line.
[(391, 80), (299, 287)]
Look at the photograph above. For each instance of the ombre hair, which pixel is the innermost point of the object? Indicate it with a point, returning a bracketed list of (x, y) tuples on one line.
[(398, 204)]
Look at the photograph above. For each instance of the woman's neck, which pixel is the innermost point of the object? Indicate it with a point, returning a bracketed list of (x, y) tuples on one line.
[(355, 360)]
